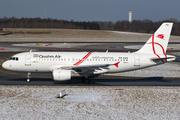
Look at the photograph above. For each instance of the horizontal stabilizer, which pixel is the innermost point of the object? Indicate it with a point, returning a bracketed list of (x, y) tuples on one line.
[(162, 59)]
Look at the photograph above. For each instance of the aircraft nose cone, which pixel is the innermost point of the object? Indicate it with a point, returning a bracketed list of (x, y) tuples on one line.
[(5, 65)]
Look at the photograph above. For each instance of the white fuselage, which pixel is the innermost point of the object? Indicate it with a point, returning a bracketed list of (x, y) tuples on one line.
[(47, 61)]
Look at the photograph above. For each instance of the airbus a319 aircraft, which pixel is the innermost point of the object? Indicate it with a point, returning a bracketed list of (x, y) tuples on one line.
[(64, 64)]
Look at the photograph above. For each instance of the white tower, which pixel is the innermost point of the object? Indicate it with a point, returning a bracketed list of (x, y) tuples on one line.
[(44, 13), (130, 16)]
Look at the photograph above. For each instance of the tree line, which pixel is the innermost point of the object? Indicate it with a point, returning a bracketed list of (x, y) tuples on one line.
[(141, 26), (45, 23)]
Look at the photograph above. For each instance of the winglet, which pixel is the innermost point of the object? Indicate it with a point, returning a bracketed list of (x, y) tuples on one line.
[(116, 64)]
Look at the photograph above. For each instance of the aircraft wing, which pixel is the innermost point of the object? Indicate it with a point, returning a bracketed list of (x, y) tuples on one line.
[(86, 66), (93, 69)]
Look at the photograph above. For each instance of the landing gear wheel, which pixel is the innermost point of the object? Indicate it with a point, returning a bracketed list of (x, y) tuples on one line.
[(85, 80), (28, 80)]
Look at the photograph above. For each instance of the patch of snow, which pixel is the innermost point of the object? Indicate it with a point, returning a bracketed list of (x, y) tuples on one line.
[(37, 102), (130, 33)]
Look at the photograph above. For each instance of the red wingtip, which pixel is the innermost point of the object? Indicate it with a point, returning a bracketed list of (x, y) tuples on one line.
[(116, 64)]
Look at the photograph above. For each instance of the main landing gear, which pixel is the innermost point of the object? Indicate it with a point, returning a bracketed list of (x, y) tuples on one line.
[(28, 77), (85, 80)]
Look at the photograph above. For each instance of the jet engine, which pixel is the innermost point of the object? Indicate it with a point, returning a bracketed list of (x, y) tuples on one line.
[(61, 75)]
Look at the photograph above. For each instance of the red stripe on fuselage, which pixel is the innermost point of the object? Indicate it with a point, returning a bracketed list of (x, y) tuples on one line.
[(82, 60)]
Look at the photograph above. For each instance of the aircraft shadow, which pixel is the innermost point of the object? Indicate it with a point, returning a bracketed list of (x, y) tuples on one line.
[(97, 81)]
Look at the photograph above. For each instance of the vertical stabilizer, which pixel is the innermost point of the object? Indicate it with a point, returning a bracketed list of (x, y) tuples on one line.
[(158, 42)]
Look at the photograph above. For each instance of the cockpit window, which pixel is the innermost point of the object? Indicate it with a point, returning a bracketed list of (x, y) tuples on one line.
[(14, 58)]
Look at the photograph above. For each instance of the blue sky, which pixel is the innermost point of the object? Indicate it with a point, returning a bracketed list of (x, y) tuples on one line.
[(91, 10)]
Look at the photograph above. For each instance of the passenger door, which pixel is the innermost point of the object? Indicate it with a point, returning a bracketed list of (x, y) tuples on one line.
[(28, 59)]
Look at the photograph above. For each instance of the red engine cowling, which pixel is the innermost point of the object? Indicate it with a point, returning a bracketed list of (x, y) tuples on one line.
[(61, 75)]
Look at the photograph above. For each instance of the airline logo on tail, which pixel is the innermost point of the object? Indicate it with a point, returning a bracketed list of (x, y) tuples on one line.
[(161, 36)]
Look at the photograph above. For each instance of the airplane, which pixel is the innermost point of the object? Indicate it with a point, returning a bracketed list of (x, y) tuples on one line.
[(64, 65)]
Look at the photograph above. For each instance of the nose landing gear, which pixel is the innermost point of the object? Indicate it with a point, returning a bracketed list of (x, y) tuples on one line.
[(28, 77)]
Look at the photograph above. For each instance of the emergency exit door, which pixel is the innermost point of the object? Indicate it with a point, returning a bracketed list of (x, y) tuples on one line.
[(28, 60), (136, 60)]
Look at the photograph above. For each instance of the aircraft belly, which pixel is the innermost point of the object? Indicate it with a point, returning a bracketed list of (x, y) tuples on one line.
[(129, 67)]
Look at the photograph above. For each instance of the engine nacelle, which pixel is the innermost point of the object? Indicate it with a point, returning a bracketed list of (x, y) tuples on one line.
[(61, 75)]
